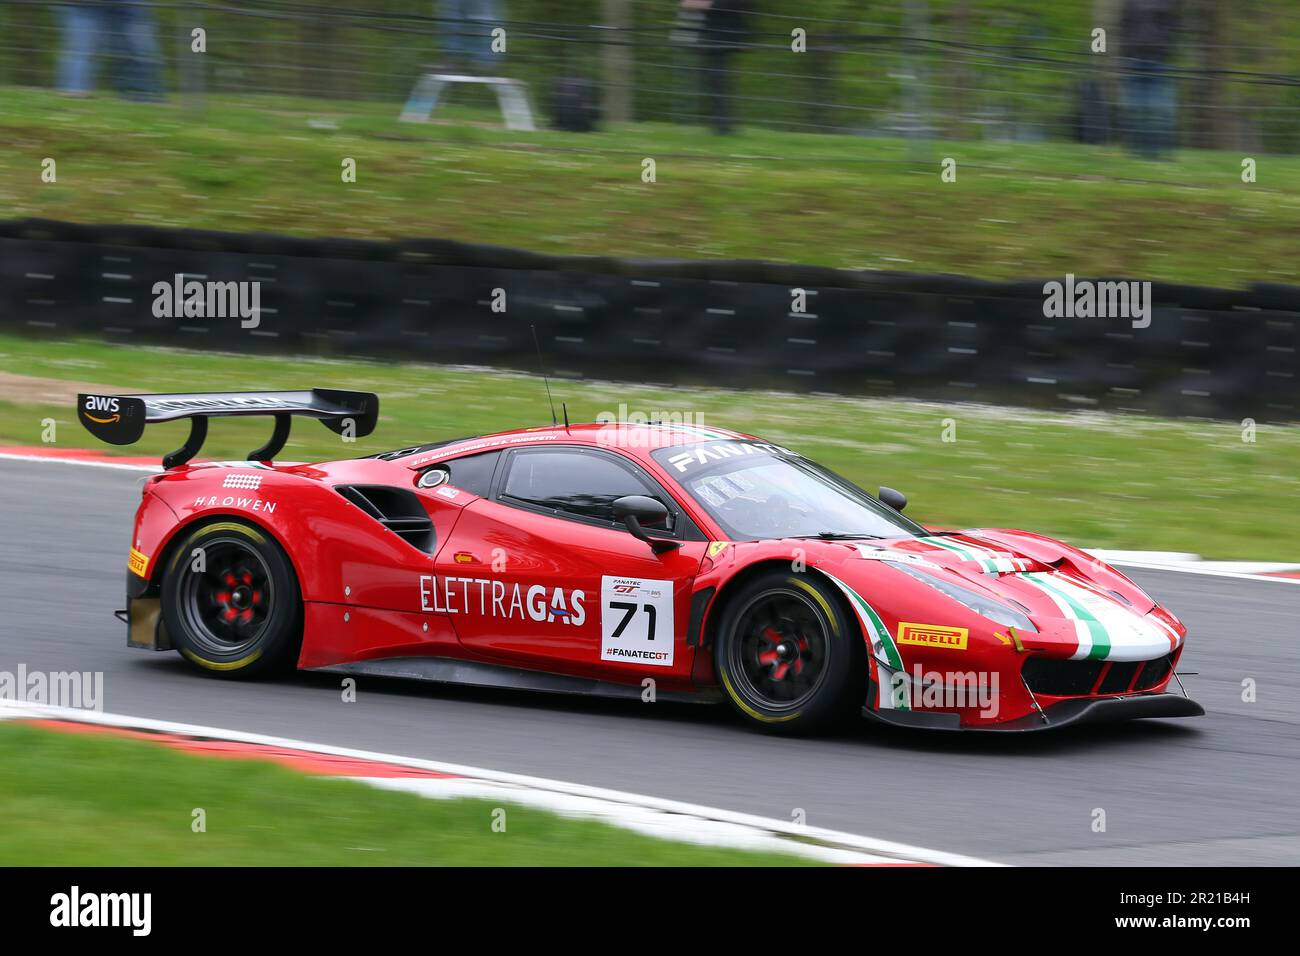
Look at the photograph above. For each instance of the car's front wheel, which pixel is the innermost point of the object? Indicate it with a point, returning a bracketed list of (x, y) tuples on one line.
[(787, 654), (230, 601)]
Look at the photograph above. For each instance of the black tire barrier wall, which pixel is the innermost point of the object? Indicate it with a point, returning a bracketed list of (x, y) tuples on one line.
[(1208, 352)]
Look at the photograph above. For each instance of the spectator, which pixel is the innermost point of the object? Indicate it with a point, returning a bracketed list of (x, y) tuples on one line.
[(723, 33), (135, 30), (85, 29), (1148, 32), (124, 28), (467, 39)]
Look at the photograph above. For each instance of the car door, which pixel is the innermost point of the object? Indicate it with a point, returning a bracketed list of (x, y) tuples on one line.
[(541, 575)]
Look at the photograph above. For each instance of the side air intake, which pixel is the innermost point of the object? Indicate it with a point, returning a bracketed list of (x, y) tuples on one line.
[(397, 509)]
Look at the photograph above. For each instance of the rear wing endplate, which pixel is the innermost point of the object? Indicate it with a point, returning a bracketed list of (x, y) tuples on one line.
[(120, 419)]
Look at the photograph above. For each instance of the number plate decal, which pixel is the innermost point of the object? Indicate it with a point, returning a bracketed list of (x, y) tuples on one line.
[(636, 621)]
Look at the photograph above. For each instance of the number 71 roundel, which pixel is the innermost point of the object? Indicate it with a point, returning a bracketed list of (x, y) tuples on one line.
[(636, 621)]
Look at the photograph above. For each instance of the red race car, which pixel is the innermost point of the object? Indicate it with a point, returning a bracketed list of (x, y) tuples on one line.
[(653, 561)]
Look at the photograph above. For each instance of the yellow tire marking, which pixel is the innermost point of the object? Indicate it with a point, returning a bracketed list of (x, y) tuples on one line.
[(726, 682), (203, 662), (232, 526), (817, 595), (219, 526), (219, 666)]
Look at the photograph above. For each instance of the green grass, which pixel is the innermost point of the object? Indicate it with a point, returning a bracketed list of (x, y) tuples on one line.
[(1096, 480), (1016, 209), (72, 800)]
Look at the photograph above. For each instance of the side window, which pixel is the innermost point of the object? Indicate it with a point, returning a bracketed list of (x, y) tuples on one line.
[(579, 483), (473, 472)]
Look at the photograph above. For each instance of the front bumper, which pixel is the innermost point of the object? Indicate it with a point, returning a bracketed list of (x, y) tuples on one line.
[(1066, 713)]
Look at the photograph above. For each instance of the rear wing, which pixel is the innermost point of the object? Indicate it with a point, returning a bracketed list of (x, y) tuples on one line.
[(120, 419)]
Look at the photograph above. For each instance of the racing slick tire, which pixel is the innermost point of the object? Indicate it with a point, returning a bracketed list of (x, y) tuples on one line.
[(231, 602), (788, 654)]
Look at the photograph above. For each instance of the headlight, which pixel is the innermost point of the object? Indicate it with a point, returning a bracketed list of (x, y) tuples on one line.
[(981, 605)]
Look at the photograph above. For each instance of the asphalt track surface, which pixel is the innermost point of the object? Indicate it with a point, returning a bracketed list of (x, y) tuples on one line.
[(1222, 789)]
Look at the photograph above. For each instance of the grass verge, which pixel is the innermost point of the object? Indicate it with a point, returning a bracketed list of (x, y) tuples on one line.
[(1016, 209), (71, 800), (1094, 479)]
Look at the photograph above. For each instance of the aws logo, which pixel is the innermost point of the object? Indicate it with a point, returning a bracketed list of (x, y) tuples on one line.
[(106, 406), (116, 419)]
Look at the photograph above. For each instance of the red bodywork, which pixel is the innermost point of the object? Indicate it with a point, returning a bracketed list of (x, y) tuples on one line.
[(514, 587)]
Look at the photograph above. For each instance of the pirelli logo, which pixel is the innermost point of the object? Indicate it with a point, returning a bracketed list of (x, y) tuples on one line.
[(933, 635), (138, 564)]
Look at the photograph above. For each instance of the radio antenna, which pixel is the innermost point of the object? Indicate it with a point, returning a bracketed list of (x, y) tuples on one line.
[(541, 367)]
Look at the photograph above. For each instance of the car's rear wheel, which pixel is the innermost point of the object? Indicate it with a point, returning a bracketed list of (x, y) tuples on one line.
[(788, 656), (231, 602)]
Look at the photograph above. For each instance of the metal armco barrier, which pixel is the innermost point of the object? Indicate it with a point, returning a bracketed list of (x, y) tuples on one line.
[(1208, 352)]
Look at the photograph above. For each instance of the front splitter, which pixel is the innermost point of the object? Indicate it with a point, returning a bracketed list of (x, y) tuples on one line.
[(1067, 713)]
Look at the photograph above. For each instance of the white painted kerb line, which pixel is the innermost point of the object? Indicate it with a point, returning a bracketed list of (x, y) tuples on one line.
[(667, 819), (87, 462)]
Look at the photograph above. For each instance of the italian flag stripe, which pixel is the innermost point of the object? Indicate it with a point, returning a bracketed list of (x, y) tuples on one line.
[(1149, 620), (881, 641), (1168, 631), (698, 430), (986, 558), (1100, 636), (1131, 636), (966, 554)]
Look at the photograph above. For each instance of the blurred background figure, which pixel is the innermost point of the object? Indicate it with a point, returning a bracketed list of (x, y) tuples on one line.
[(134, 28), (85, 30), (722, 32), (125, 30), (467, 34), (1148, 34)]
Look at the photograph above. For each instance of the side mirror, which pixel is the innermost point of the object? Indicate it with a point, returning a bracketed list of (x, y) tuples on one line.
[(895, 499), (636, 511)]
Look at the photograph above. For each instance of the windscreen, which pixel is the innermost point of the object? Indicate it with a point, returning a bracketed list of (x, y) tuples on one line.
[(755, 490)]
